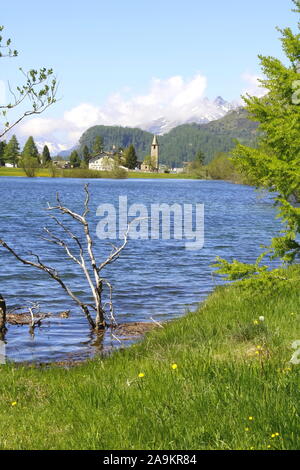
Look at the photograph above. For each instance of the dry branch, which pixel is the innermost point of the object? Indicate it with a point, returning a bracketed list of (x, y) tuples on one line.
[(95, 281)]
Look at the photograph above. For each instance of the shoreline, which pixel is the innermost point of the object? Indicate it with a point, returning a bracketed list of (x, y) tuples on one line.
[(19, 173), (204, 381), (85, 173)]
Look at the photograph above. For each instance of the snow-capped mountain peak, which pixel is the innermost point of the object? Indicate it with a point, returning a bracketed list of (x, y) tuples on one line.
[(201, 113)]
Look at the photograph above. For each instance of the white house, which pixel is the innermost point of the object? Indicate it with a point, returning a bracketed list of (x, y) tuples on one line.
[(102, 162)]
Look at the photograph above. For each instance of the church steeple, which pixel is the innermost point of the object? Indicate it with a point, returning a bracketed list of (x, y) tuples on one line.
[(155, 153)]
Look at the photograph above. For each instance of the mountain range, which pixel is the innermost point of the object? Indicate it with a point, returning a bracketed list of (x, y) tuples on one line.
[(181, 143), (203, 112)]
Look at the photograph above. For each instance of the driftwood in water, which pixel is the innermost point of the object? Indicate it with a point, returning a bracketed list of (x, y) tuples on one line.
[(25, 319), (2, 317)]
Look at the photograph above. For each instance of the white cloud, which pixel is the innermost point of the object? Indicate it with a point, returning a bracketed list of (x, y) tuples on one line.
[(253, 87), (53, 148), (84, 115), (172, 98), (39, 127), (175, 99)]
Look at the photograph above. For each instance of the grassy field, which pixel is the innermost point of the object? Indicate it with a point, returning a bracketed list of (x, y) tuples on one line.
[(91, 174), (219, 378), (19, 172)]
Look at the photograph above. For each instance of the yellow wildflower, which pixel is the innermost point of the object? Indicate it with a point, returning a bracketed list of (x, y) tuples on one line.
[(141, 375), (250, 418), (246, 429), (14, 403), (255, 322), (174, 366)]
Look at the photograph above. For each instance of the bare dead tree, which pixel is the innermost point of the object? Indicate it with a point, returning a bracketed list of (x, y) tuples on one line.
[(84, 258)]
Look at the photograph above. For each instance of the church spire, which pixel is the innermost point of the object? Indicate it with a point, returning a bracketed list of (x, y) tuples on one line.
[(155, 154)]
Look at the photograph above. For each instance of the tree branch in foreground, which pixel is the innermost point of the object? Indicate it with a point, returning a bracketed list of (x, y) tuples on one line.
[(85, 258)]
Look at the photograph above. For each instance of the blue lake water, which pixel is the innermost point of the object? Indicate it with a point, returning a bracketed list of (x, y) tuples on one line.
[(152, 278)]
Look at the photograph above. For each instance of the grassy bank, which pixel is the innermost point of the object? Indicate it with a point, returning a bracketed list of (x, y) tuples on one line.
[(233, 387), (81, 173)]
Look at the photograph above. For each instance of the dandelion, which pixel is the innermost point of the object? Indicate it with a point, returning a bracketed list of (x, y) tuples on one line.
[(174, 366), (141, 375), (255, 322), (250, 418), (261, 318), (14, 403), (247, 429)]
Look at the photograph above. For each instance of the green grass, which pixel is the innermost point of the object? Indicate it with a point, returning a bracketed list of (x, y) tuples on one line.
[(85, 173), (233, 388), (20, 172)]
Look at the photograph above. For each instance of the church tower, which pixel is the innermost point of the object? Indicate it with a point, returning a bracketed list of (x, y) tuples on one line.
[(155, 154)]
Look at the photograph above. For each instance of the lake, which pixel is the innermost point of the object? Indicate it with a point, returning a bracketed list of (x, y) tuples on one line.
[(152, 278)]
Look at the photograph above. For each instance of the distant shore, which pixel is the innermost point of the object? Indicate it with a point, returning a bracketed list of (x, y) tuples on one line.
[(82, 173)]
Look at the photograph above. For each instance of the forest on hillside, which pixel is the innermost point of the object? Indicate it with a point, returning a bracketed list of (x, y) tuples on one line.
[(183, 142)]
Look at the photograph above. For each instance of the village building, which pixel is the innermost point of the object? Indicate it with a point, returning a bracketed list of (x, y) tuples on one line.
[(105, 161), (102, 162), (151, 163), (61, 164)]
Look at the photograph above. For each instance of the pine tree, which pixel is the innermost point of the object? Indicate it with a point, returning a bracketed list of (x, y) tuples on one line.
[(12, 151), (30, 149), (75, 159), (131, 158), (46, 157), (2, 150), (275, 164), (86, 154), (199, 158), (98, 145)]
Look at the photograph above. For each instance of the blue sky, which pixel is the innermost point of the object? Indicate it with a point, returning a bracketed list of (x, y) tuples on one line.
[(101, 49)]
